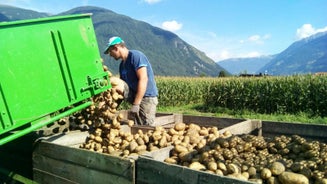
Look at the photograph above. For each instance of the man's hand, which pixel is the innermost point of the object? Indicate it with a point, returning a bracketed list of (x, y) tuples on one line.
[(135, 108)]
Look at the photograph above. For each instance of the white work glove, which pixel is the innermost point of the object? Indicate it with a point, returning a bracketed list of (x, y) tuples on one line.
[(135, 109)]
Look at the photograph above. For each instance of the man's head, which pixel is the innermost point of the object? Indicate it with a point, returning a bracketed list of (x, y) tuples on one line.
[(112, 42)]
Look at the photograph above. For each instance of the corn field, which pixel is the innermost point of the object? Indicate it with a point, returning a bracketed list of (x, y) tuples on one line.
[(289, 94)]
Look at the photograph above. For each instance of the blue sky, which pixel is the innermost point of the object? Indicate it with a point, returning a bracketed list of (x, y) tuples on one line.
[(220, 28)]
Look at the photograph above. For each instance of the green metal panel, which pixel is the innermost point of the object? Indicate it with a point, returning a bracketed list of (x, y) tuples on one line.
[(46, 65)]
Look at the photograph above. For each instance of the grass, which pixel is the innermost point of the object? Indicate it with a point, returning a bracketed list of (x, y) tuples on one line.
[(200, 110)]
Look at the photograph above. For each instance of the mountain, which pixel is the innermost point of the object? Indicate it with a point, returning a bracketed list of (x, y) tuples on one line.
[(169, 55), (251, 65), (308, 55), (10, 13)]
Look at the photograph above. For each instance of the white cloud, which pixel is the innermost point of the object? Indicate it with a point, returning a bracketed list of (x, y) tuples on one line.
[(254, 38), (16, 3), (225, 54), (252, 54), (171, 25), (266, 36), (152, 1), (219, 56), (257, 39), (212, 34), (307, 30)]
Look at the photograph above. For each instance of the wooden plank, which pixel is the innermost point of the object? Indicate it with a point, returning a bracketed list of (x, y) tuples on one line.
[(163, 120), (211, 121), (168, 119), (308, 131), (66, 171), (71, 138), (84, 158), (49, 178), (244, 127), (153, 171)]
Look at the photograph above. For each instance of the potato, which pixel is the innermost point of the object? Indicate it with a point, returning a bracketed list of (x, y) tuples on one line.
[(98, 139), (132, 146), (180, 148), (172, 132), (277, 168), (194, 139), (204, 132), (91, 136), (174, 138), (170, 160), (126, 152), (200, 145), (185, 156), (212, 166), (129, 137), (120, 116), (221, 166), (219, 172), (297, 166), (246, 175), (140, 141), (163, 142), (153, 148), (273, 180), (193, 126), (252, 171), (179, 126), (265, 173), (156, 135), (233, 168), (140, 148), (321, 181), (130, 123), (186, 139), (197, 166), (110, 149), (117, 140), (227, 133), (117, 84), (256, 180), (237, 176), (292, 178)]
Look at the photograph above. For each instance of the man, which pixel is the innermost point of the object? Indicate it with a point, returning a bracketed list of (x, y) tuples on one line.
[(140, 89)]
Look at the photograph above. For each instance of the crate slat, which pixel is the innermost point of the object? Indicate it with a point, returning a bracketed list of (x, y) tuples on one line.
[(77, 164), (244, 127), (153, 171)]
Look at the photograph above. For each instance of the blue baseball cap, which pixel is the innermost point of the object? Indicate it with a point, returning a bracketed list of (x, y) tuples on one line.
[(113, 41)]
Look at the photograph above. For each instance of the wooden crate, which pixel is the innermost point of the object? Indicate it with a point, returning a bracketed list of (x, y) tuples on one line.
[(153, 171), (211, 121), (308, 131), (58, 160), (253, 127), (150, 170)]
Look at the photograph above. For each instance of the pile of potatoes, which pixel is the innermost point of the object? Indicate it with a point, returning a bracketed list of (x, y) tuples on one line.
[(102, 110), (253, 158)]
